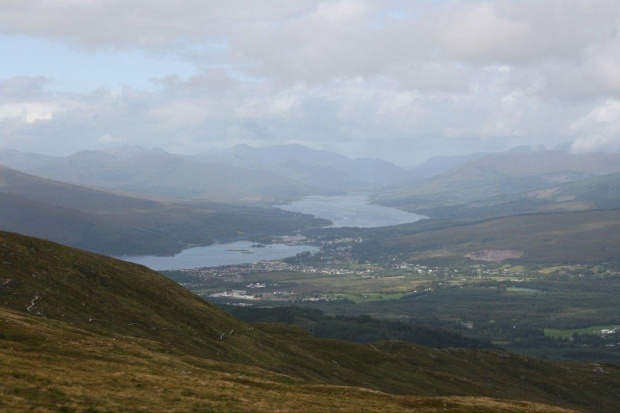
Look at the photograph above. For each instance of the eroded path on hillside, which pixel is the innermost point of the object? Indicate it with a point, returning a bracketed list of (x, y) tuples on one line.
[(31, 306)]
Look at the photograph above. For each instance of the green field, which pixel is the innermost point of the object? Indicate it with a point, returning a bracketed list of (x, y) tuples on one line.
[(370, 297), (513, 304)]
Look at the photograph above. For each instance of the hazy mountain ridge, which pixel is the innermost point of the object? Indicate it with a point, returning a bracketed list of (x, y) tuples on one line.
[(597, 193), (239, 174), (440, 164), (161, 173), (497, 175), (279, 173), (115, 224), (24, 160), (58, 303), (320, 168)]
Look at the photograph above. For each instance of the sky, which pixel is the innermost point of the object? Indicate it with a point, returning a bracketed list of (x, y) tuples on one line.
[(392, 79)]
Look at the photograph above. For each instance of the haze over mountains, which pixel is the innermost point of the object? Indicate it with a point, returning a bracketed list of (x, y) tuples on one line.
[(318, 168), (239, 174), (491, 178), (472, 187), (169, 175), (114, 224), (279, 173)]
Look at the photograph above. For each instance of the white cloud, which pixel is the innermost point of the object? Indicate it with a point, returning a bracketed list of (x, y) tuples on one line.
[(370, 77), (28, 112), (599, 130), (20, 88), (109, 139), (342, 10)]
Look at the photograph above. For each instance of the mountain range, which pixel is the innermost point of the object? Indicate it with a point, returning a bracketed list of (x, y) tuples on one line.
[(318, 168), (241, 174), (277, 174), (491, 178), (177, 214), (115, 224), (167, 175)]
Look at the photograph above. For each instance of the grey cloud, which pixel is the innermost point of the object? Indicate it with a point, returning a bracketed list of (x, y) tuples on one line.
[(20, 88), (354, 114), (521, 32), (319, 41), (138, 23), (345, 74), (599, 130)]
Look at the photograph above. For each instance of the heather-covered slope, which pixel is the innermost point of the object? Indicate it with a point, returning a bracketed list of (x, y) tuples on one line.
[(85, 331)]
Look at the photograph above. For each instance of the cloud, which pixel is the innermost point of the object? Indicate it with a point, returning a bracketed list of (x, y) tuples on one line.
[(20, 88), (599, 130), (28, 112), (365, 77), (355, 116), (316, 40), (109, 139), (24, 99)]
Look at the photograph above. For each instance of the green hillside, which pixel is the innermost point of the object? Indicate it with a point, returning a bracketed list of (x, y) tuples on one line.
[(82, 331), (600, 192), (553, 237)]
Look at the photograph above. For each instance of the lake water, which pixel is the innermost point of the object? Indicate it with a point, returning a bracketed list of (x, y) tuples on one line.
[(351, 211), (240, 252), (343, 211)]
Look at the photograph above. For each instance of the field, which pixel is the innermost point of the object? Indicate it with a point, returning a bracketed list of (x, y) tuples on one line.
[(83, 332), (513, 304)]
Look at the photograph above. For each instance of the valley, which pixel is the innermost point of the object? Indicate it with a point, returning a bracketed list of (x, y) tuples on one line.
[(309, 206), (527, 275), (512, 304), (108, 334)]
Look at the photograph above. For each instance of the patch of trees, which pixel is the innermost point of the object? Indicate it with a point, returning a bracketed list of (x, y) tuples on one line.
[(580, 347), (358, 329)]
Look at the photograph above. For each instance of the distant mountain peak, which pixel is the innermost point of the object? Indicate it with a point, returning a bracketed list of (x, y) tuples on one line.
[(241, 146), (528, 149), (130, 151), (316, 167)]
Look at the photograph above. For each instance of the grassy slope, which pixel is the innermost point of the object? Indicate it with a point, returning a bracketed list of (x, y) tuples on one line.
[(46, 365), (100, 324), (567, 237), (114, 224), (601, 192)]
